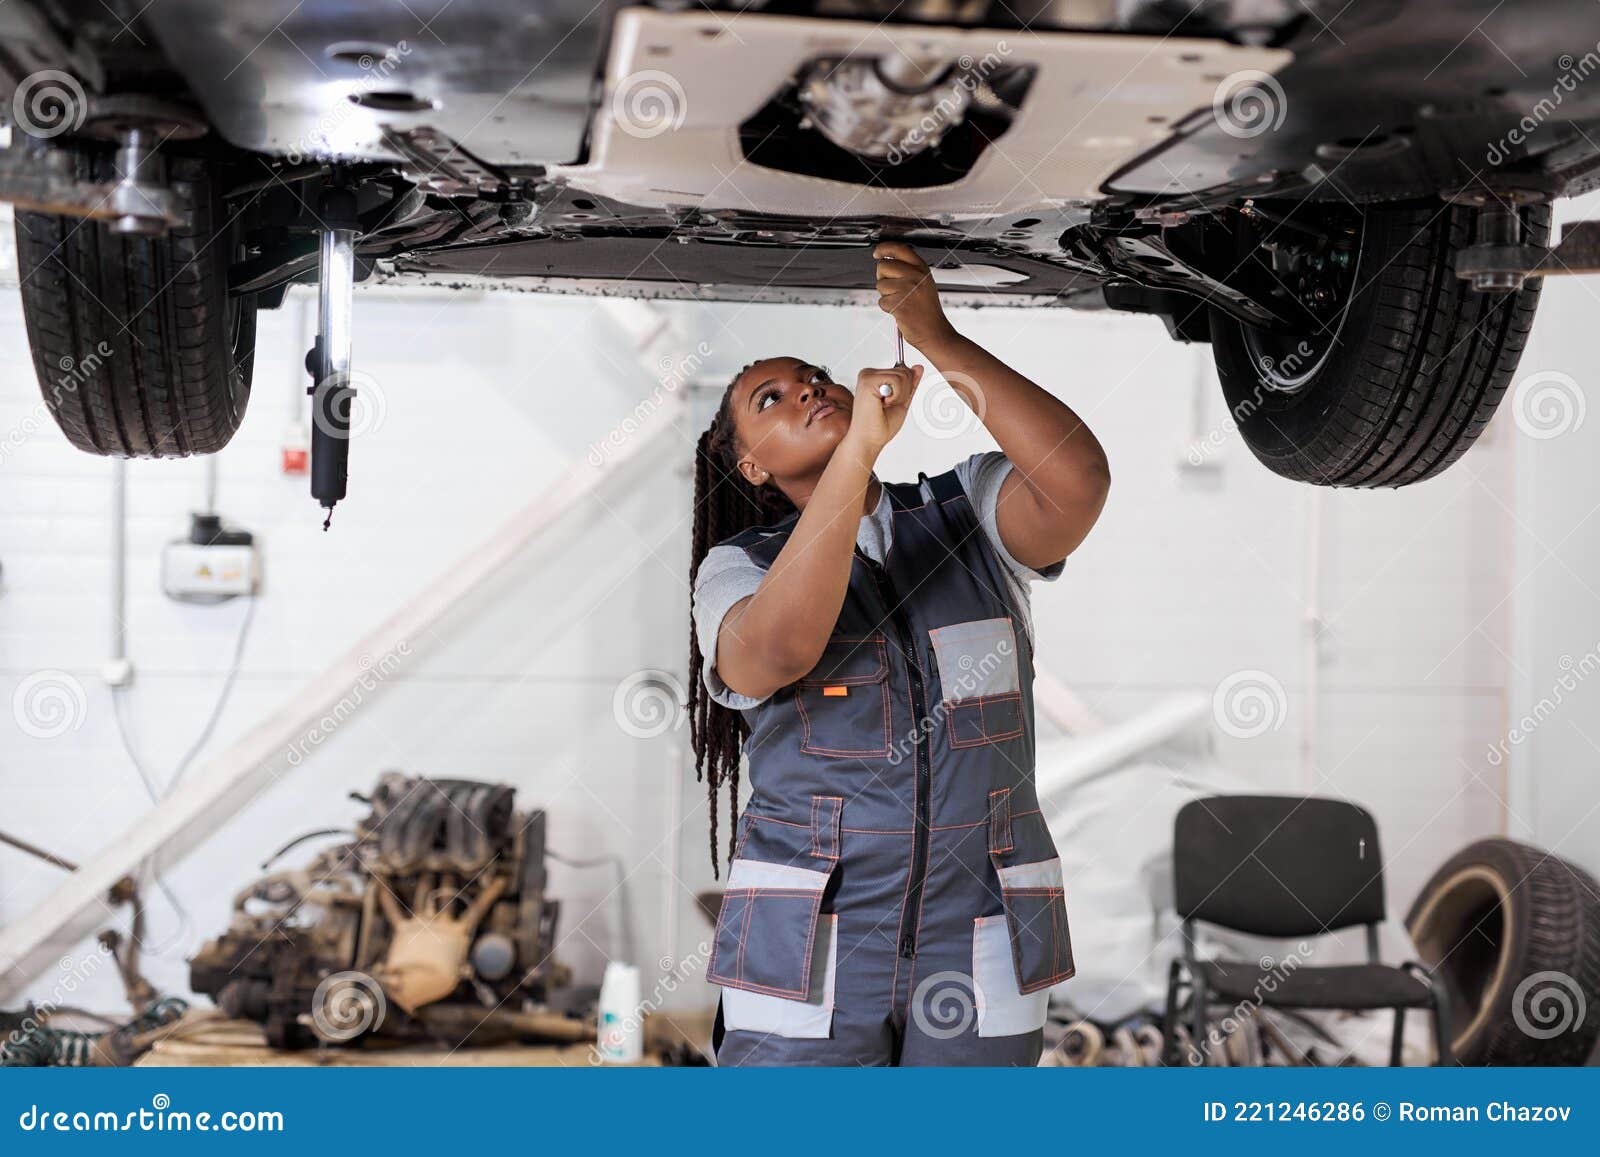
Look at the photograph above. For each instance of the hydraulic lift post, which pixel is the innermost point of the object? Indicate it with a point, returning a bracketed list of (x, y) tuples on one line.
[(331, 392)]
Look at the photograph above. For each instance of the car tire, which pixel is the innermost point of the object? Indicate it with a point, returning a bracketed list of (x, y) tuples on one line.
[(139, 350), (1406, 379), (1513, 933)]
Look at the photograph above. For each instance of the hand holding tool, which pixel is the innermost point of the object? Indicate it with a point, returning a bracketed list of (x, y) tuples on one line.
[(885, 390)]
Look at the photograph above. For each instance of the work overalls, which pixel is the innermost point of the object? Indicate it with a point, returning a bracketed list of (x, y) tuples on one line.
[(895, 896)]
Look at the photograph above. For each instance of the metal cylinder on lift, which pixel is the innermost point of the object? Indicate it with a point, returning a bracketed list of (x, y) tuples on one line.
[(332, 393)]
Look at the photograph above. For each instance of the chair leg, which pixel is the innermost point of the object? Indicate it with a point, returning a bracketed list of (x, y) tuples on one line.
[(1441, 1026), (1169, 1019), (1399, 1037), (1198, 1018)]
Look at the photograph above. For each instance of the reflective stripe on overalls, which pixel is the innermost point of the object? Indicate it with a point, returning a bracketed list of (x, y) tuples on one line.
[(895, 896)]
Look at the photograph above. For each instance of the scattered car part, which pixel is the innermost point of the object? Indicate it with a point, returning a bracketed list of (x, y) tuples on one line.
[(31, 1044), (380, 934), (429, 945), (123, 950), (1513, 932)]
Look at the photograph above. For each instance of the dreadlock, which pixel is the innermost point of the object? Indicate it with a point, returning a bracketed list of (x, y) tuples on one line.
[(724, 504)]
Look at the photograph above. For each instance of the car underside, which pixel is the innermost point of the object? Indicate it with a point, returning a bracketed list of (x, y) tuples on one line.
[(1348, 200)]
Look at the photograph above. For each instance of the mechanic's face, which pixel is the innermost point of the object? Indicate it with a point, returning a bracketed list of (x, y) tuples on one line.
[(788, 415)]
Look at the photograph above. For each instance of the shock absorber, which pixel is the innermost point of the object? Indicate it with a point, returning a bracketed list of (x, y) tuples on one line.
[(332, 394)]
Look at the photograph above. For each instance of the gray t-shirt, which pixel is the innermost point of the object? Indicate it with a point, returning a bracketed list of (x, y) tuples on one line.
[(727, 575)]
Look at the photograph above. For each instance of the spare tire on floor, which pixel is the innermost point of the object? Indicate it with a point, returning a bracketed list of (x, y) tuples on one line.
[(1514, 935)]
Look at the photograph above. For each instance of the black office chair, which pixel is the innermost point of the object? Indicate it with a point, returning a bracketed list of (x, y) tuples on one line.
[(1287, 866)]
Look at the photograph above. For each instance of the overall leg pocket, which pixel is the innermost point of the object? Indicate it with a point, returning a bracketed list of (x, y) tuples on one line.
[(1003, 1008), (844, 700), (811, 1017), (767, 928), (978, 682), (1035, 902)]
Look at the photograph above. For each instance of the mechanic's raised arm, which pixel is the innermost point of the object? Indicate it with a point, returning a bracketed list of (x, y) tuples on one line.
[(775, 636), (1052, 498)]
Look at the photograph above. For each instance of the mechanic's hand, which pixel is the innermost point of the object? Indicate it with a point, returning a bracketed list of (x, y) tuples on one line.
[(906, 289), (874, 419)]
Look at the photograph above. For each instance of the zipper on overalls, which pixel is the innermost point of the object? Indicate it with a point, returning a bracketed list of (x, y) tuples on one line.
[(924, 787)]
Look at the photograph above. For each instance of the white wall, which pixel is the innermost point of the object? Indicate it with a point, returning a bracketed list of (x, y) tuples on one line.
[(485, 401), (1191, 577), (1553, 736)]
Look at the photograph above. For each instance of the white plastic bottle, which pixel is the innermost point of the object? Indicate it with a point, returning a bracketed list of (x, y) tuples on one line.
[(621, 1024)]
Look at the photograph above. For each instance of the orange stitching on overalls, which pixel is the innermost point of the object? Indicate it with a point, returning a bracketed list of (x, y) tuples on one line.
[(738, 849), (854, 680), (744, 936), (805, 723), (887, 831), (786, 893), (1000, 824), (1013, 922), (985, 738), (739, 981), (833, 825), (716, 941)]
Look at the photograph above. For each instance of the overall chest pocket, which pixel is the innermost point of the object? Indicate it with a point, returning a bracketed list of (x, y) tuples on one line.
[(978, 681), (844, 701)]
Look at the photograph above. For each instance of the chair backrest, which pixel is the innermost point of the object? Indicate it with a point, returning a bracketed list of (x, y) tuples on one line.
[(1277, 865)]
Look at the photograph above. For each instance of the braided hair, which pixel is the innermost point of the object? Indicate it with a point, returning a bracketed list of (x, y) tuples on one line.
[(724, 504)]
